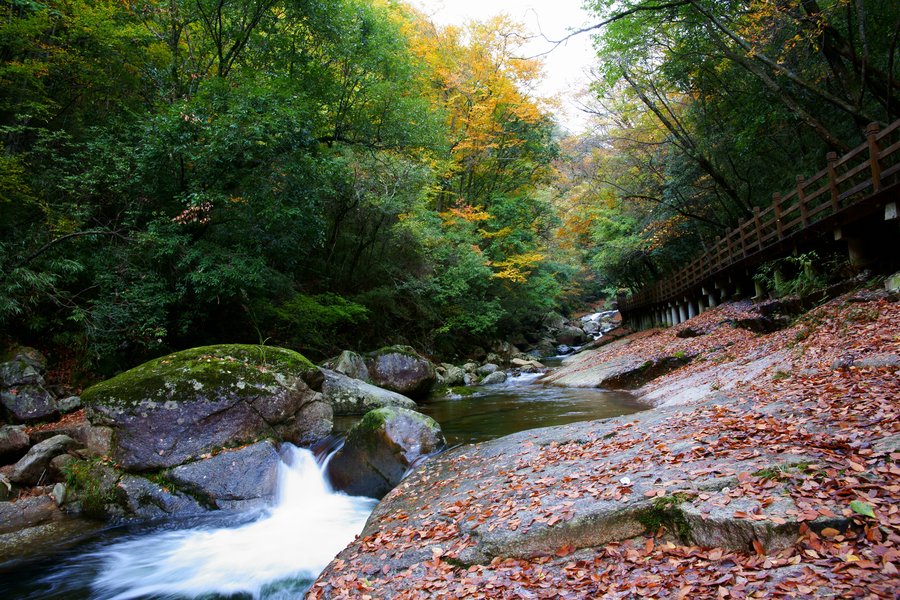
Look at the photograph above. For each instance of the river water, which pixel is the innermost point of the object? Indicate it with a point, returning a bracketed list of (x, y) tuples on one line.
[(275, 554)]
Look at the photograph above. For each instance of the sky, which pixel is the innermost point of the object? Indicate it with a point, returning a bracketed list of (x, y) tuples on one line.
[(565, 67)]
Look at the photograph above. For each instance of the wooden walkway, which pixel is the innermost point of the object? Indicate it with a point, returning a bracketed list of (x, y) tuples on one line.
[(846, 189)]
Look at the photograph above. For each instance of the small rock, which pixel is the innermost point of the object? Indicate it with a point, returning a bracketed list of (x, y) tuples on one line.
[(59, 467), (34, 466), (453, 375), (59, 494), (149, 500)]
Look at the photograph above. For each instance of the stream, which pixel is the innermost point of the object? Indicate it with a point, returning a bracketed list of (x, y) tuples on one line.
[(275, 554)]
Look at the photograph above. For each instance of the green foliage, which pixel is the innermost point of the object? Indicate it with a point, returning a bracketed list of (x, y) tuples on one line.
[(792, 275), (314, 321), (88, 480)]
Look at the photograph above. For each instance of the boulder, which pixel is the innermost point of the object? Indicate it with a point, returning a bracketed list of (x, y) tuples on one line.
[(380, 448), (486, 369), (35, 465), (176, 408), (400, 369), (233, 479), (28, 403), (148, 500), (571, 336), (494, 378), (553, 321), (354, 397), (453, 375), (524, 364), (19, 372), (350, 364), (14, 443), (591, 327), (470, 367)]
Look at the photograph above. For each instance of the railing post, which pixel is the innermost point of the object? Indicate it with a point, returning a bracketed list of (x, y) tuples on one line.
[(776, 204), (872, 138), (832, 181), (758, 226), (801, 198)]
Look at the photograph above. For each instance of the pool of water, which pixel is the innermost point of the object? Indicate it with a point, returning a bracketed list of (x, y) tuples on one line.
[(493, 411)]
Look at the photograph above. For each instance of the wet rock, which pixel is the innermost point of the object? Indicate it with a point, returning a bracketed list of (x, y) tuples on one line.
[(68, 404), (689, 332), (27, 512), (494, 378), (233, 479), (878, 361), (14, 443), (354, 397), (148, 500), (99, 441), (59, 467), (380, 448), (34, 466), (176, 408), (571, 336), (402, 370), (350, 364)]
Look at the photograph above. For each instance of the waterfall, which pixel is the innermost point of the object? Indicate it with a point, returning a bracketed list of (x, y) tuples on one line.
[(275, 556)]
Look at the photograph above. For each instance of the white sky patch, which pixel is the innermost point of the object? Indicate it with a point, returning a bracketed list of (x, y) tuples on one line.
[(566, 68)]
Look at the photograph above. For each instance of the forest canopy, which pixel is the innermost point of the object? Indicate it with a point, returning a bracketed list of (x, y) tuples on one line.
[(348, 174)]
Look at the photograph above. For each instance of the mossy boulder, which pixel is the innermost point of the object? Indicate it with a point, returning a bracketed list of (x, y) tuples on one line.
[(401, 369), (380, 448), (175, 409)]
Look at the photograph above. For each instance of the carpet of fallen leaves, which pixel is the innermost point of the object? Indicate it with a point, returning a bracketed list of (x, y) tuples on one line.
[(832, 401)]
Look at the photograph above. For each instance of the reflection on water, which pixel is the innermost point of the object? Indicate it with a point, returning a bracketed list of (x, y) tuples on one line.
[(497, 410)]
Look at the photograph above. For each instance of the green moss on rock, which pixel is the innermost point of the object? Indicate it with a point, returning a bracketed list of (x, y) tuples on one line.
[(244, 368)]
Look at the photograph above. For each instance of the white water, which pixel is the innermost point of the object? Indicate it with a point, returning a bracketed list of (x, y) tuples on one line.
[(294, 540)]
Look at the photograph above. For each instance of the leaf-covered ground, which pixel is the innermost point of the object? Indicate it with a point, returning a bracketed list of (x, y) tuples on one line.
[(779, 482)]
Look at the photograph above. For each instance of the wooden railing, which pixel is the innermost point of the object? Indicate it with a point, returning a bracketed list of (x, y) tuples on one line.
[(846, 182)]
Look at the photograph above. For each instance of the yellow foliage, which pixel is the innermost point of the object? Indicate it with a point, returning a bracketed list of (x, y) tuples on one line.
[(517, 268)]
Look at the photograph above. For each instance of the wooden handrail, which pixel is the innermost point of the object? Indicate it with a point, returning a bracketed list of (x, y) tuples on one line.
[(846, 181)]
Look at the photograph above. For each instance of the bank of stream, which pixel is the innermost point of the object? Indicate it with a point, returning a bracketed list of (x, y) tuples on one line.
[(277, 553)]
